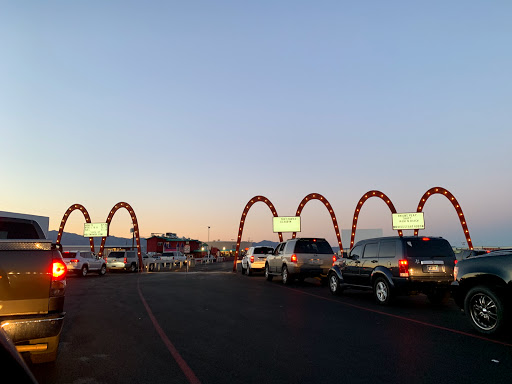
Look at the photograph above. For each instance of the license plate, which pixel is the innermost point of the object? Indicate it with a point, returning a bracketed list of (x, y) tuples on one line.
[(433, 268), (315, 261)]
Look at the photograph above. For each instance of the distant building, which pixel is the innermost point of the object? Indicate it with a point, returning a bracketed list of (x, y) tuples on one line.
[(228, 248), (170, 242)]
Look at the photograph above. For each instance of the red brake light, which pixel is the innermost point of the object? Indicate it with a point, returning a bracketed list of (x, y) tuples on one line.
[(252, 259), (403, 268), (334, 258), (456, 261), (125, 260), (294, 258), (74, 260), (58, 270), (425, 239)]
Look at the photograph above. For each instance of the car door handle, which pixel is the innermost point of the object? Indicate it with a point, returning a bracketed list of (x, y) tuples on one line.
[(374, 261)]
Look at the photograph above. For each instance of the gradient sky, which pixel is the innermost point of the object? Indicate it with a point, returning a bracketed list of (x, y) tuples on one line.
[(187, 109)]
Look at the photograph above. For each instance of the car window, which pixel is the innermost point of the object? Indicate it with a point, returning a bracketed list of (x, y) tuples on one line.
[(387, 249), (261, 251), (370, 250), (313, 246), (356, 252), (428, 247), (289, 246)]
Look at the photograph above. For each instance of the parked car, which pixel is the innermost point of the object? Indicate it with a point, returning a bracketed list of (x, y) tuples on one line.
[(123, 260), (81, 263), (174, 256), (32, 290), (254, 259), (300, 258), (483, 289), (396, 265), (467, 253)]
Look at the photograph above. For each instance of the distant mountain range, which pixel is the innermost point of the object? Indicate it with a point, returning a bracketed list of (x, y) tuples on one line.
[(74, 239)]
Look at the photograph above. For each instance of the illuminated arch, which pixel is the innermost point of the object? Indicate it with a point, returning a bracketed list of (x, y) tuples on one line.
[(456, 205), (248, 206), (65, 219), (317, 196), (360, 204), (135, 228)]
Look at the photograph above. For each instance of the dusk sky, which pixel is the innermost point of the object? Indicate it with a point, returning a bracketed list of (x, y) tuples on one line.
[(188, 109)]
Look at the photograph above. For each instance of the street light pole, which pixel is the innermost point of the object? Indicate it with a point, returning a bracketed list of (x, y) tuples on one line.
[(208, 240)]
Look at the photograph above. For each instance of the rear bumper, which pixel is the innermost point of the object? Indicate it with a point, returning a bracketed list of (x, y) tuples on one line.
[(24, 329), (308, 271), (425, 286), (117, 265)]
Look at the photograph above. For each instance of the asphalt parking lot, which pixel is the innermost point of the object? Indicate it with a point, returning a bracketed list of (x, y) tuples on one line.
[(214, 326)]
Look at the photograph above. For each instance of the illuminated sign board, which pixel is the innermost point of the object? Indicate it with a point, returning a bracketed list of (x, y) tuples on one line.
[(414, 220), (286, 224), (95, 229)]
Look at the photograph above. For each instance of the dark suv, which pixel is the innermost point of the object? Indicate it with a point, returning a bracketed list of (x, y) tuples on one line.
[(396, 265)]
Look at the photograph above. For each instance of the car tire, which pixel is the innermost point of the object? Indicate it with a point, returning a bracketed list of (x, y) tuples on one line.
[(151, 267), (334, 283), (85, 270), (102, 270), (133, 268), (268, 276), (243, 269), (286, 275), (485, 310), (248, 270), (382, 291)]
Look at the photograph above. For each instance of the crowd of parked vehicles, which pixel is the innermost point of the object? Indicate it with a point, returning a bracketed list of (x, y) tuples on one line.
[(480, 281)]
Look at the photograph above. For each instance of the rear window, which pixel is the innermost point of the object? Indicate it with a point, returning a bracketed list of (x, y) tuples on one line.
[(263, 250), (18, 229), (313, 246), (116, 254), (68, 255), (420, 248)]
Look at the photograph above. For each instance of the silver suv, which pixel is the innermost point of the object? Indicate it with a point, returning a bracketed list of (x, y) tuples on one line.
[(82, 263), (126, 260), (300, 258)]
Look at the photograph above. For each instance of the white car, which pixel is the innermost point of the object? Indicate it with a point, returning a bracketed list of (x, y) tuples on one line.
[(82, 263), (254, 259)]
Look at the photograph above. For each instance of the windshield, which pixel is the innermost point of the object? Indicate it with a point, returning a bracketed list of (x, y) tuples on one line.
[(116, 254), (313, 246), (263, 250), (422, 248)]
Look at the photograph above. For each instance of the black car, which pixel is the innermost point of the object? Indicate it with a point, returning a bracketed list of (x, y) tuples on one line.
[(396, 265), (483, 289)]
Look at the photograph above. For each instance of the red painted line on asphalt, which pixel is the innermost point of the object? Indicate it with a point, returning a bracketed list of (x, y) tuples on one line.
[(189, 373), (404, 318)]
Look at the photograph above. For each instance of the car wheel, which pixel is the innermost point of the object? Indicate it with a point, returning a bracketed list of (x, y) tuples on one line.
[(102, 270), (285, 275), (243, 269), (151, 267), (334, 284), (268, 276), (249, 270), (382, 291), (84, 270), (485, 310), (133, 268)]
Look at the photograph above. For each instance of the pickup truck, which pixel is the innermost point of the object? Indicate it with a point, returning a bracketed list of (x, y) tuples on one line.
[(32, 289), (483, 289)]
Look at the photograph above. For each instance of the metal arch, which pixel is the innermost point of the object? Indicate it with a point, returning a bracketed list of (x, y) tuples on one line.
[(65, 219), (135, 227), (456, 205), (359, 205), (317, 196), (248, 206)]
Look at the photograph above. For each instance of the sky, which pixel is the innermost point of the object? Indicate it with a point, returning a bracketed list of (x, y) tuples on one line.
[(188, 109)]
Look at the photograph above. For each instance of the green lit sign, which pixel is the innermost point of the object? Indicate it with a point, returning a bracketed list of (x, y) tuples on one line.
[(95, 229), (286, 224)]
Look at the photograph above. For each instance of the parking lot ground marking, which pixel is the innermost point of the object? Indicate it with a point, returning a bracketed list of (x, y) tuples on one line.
[(189, 373), (401, 317)]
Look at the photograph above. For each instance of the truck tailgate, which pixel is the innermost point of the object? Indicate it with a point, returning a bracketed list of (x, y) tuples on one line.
[(25, 278)]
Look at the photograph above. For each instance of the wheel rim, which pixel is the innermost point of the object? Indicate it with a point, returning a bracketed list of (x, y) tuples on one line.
[(266, 270), (285, 275), (84, 271), (333, 283), (103, 270), (381, 291), (484, 311)]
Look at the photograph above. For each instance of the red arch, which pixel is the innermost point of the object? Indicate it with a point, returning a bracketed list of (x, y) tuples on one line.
[(248, 206), (135, 227), (317, 196), (359, 205), (65, 219), (456, 205)]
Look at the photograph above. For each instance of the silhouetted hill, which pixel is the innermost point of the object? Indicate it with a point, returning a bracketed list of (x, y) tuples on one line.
[(74, 239)]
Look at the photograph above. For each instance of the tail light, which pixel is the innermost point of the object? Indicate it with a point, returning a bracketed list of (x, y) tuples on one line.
[(74, 260), (403, 268), (59, 272), (294, 258), (334, 258), (425, 239), (252, 259), (455, 273), (125, 260)]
